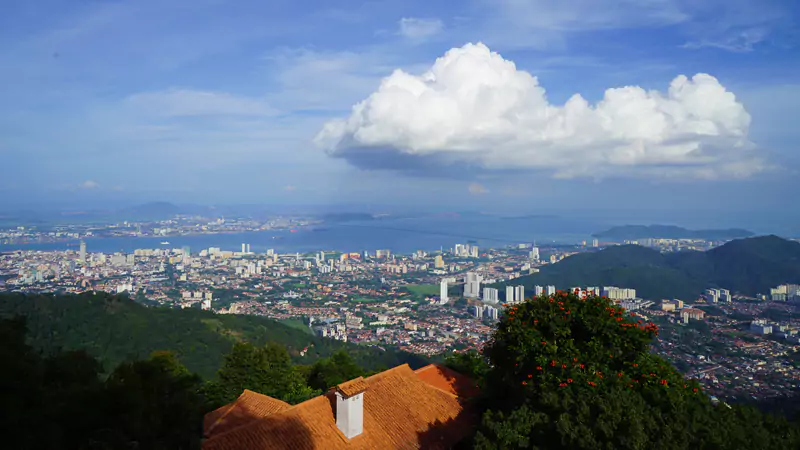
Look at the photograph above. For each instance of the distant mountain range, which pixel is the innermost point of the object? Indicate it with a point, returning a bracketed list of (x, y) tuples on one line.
[(632, 232), (746, 266)]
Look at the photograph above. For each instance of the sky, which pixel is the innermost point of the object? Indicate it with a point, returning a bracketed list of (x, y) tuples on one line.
[(507, 104)]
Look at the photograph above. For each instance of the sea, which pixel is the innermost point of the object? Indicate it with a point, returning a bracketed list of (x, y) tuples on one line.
[(401, 236)]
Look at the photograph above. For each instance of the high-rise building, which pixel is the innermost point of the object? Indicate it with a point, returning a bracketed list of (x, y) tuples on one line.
[(438, 262), (473, 251), (615, 293), (595, 242), (472, 285), (519, 293), (712, 295), (538, 291), (443, 291), (490, 295), (244, 248), (383, 254), (82, 252), (550, 290), (510, 295), (248, 249), (490, 312), (534, 254), (477, 311)]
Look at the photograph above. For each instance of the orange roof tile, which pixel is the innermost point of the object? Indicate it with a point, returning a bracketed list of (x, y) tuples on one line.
[(448, 380), (248, 407), (352, 387), (400, 411)]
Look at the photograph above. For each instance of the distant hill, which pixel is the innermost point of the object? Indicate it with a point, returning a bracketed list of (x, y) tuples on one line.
[(150, 211), (747, 266), (632, 232), (113, 329)]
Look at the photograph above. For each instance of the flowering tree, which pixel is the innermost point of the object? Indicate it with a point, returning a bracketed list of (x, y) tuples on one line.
[(568, 372)]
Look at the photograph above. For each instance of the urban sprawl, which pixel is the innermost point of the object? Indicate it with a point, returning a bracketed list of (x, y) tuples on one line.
[(428, 303)]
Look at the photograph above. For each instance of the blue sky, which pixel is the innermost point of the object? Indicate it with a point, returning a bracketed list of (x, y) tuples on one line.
[(220, 102)]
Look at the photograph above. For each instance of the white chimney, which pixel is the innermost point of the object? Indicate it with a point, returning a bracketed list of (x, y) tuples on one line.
[(350, 407)]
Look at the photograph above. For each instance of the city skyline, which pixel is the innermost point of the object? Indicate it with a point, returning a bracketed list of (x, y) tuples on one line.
[(203, 102)]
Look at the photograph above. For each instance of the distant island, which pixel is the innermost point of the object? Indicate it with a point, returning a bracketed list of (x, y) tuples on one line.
[(631, 232), (532, 217), (347, 217)]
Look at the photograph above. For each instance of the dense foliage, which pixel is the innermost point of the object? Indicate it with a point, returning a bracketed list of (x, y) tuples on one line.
[(61, 401), (115, 329), (748, 266), (267, 370), (567, 373)]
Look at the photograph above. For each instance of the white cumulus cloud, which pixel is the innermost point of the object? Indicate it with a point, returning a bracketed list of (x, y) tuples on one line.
[(419, 28), (474, 108)]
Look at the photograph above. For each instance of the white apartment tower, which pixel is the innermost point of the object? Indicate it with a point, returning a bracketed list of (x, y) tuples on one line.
[(472, 285)]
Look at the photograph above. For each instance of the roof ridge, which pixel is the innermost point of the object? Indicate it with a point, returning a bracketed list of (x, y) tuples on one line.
[(422, 369), (388, 372), (231, 405)]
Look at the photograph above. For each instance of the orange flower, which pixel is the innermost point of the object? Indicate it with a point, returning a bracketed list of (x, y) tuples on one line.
[(524, 383), (569, 380), (530, 375), (582, 366), (538, 367)]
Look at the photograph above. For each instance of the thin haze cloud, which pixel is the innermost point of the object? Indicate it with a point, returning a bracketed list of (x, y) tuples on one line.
[(419, 28)]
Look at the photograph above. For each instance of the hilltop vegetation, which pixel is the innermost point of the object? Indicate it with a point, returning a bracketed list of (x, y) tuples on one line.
[(747, 266), (558, 373), (114, 329), (632, 232), (64, 400), (565, 373)]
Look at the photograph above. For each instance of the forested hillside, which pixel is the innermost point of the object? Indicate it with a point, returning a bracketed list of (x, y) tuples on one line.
[(115, 329), (747, 266)]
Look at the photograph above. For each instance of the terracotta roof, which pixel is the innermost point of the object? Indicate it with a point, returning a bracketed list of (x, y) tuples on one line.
[(352, 387), (448, 380), (401, 411), (248, 407)]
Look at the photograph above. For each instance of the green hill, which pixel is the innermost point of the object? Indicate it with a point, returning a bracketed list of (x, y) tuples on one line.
[(631, 232), (115, 329), (746, 266)]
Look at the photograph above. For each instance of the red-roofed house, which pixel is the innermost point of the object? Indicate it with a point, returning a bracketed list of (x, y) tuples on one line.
[(398, 408)]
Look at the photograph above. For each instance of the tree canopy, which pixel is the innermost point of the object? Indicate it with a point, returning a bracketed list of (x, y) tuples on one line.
[(569, 373), (267, 370)]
